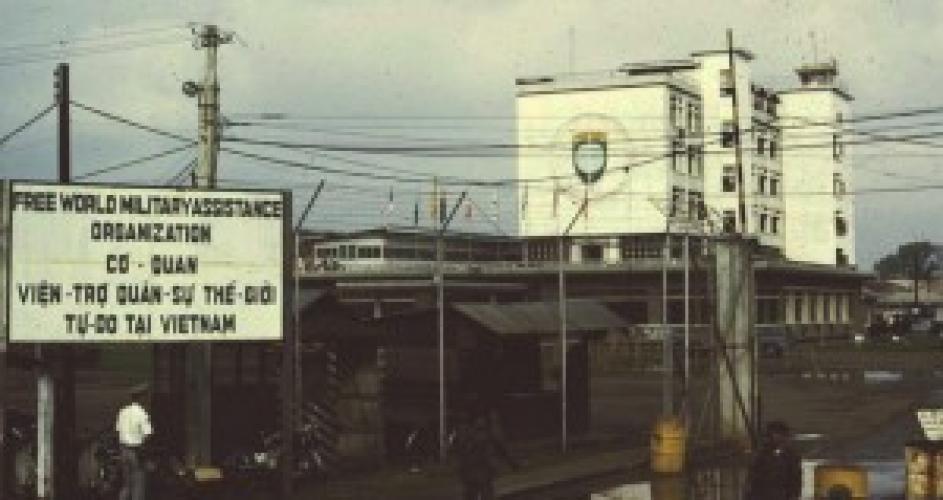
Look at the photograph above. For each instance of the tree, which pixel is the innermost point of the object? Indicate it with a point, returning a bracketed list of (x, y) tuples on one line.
[(914, 260)]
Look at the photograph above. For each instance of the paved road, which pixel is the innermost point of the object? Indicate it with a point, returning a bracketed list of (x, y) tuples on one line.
[(880, 452)]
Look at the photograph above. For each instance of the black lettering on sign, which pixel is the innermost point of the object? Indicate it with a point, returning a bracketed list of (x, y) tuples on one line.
[(139, 294), (182, 295), (42, 293), (117, 264), (262, 295), (214, 294), (30, 201), (174, 264), (90, 293), (98, 324), (184, 324), (87, 203), (139, 324)]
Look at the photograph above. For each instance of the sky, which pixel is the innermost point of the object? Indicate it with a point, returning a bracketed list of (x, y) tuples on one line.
[(422, 71)]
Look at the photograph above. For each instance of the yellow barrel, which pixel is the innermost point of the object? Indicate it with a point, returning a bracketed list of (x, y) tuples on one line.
[(849, 479), (919, 459), (668, 438), (938, 470)]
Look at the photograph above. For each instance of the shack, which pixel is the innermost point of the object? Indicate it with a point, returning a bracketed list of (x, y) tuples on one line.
[(505, 356)]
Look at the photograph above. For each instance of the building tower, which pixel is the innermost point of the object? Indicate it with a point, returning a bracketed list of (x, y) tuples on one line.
[(817, 174)]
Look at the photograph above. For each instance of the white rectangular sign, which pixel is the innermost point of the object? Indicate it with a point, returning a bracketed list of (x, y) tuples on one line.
[(931, 420), (132, 264)]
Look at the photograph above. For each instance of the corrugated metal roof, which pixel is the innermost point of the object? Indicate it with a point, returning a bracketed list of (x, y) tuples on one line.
[(542, 318)]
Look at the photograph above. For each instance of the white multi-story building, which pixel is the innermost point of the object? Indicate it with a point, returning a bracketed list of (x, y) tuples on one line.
[(818, 174), (650, 148)]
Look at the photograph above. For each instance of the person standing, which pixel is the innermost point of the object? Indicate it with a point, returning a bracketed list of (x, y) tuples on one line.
[(134, 427), (477, 444), (776, 471)]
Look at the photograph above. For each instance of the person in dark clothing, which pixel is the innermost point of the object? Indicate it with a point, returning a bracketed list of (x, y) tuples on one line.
[(776, 471), (476, 445)]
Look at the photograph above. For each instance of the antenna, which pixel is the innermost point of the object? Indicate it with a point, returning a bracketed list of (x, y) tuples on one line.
[(571, 35), (815, 48)]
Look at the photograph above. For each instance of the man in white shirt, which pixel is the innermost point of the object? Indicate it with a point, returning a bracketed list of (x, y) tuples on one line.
[(134, 427)]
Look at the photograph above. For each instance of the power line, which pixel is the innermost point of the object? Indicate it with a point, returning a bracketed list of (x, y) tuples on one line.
[(906, 113), (27, 124), (82, 39), (114, 47), (419, 178), (132, 123), (136, 161), (180, 175)]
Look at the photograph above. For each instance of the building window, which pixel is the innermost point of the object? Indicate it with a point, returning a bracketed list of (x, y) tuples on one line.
[(771, 106), (798, 309), (773, 186), (841, 225), (838, 148), (826, 308), (774, 224), (368, 252), (761, 145), (726, 82), (676, 196), (695, 202), (761, 184), (592, 253), (693, 160), (677, 151), (730, 221), (841, 258), (763, 218), (727, 134), (813, 309), (838, 185), (672, 109), (729, 182), (772, 148), (768, 311)]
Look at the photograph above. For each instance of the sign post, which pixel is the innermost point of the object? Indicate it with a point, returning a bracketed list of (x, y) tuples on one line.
[(92, 263)]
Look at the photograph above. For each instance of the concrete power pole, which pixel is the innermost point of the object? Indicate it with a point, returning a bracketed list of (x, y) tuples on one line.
[(562, 305), (734, 353), (199, 357)]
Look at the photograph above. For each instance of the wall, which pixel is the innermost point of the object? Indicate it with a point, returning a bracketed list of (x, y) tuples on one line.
[(809, 122), (635, 120)]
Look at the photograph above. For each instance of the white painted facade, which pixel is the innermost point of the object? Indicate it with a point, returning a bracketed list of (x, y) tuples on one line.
[(818, 175), (633, 193), (647, 110)]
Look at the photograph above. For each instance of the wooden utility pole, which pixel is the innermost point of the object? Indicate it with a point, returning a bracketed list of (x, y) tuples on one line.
[(55, 471), (4, 331), (64, 427), (296, 278), (445, 220)]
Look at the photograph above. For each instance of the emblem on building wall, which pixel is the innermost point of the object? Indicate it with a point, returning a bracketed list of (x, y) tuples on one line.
[(590, 152)]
